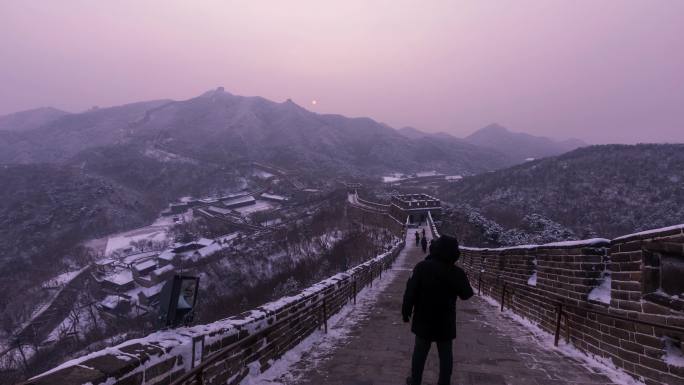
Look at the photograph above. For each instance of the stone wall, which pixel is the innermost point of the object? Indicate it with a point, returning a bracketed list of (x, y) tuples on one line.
[(377, 206), (231, 346), (376, 218), (539, 277)]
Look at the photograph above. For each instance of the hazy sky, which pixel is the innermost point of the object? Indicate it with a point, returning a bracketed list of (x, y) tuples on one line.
[(602, 71)]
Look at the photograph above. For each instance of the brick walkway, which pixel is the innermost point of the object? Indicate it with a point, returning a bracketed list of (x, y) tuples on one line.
[(490, 348)]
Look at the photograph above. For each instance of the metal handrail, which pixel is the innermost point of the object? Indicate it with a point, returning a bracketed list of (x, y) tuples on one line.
[(561, 313), (621, 318)]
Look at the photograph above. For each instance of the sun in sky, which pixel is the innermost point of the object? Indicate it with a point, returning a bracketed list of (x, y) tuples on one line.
[(314, 102)]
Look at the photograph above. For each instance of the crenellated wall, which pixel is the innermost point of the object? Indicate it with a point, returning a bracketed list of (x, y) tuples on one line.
[(227, 347), (632, 269)]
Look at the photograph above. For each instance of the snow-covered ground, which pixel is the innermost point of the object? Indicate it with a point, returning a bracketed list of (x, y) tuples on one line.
[(427, 173), (339, 328), (123, 241), (395, 177), (258, 206), (601, 293), (262, 174), (546, 340), (61, 279)]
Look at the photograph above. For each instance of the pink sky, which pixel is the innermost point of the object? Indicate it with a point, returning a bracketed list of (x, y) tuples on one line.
[(603, 71)]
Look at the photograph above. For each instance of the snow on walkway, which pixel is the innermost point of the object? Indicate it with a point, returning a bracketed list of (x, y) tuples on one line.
[(369, 345), (318, 347)]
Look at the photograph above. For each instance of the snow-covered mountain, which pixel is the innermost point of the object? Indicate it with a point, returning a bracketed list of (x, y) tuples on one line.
[(30, 119), (605, 190), (520, 146), (220, 127)]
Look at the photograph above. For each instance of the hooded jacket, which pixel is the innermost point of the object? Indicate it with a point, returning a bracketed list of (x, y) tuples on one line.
[(432, 290)]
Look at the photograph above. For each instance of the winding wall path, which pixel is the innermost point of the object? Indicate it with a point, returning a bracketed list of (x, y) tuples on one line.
[(490, 349)]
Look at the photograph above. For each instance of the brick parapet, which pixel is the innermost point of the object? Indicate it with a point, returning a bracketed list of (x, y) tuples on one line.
[(567, 272), (260, 335)]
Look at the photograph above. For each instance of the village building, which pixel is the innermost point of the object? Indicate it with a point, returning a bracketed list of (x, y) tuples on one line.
[(116, 305), (274, 198), (118, 282), (242, 201), (162, 274)]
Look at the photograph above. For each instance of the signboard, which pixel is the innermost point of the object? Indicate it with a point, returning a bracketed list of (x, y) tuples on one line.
[(177, 301)]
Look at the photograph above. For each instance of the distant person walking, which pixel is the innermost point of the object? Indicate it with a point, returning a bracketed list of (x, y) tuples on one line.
[(423, 233), (430, 298), (417, 238), (424, 244)]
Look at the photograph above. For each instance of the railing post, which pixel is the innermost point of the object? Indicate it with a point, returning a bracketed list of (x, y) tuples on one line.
[(503, 296), (479, 283), (559, 309), (567, 327), (200, 378), (354, 290), (325, 316)]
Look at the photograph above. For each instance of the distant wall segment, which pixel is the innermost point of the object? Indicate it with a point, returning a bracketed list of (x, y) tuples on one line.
[(635, 277)]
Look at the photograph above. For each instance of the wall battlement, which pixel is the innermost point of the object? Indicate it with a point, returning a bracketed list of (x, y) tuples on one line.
[(626, 277)]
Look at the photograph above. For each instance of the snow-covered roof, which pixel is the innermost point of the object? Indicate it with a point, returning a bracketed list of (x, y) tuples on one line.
[(219, 210), (228, 237), (428, 173), (205, 241), (239, 200), (145, 265), (152, 291), (112, 301), (122, 277), (105, 261), (274, 197), (136, 257), (163, 270), (167, 255)]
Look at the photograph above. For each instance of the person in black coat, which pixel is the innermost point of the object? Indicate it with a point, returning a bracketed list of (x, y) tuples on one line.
[(430, 298), (417, 238), (424, 244)]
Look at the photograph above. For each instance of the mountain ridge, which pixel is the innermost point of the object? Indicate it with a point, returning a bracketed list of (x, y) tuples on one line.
[(520, 146), (30, 119), (600, 190), (220, 126)]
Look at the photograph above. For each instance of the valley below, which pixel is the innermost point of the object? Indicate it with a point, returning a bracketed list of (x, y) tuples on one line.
[(99, 209)]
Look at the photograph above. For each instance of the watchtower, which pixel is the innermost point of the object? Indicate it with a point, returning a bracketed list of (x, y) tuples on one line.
[(415, 206)]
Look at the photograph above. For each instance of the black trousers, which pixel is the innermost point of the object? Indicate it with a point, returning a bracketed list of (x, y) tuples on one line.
[(446, 360)]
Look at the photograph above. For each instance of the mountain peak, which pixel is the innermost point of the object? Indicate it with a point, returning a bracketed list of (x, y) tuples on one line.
[(220, 90), (519, 145), (289, 104), (494, 128)]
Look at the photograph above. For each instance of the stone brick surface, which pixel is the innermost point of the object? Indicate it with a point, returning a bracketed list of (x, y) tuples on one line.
[(490, 348)]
